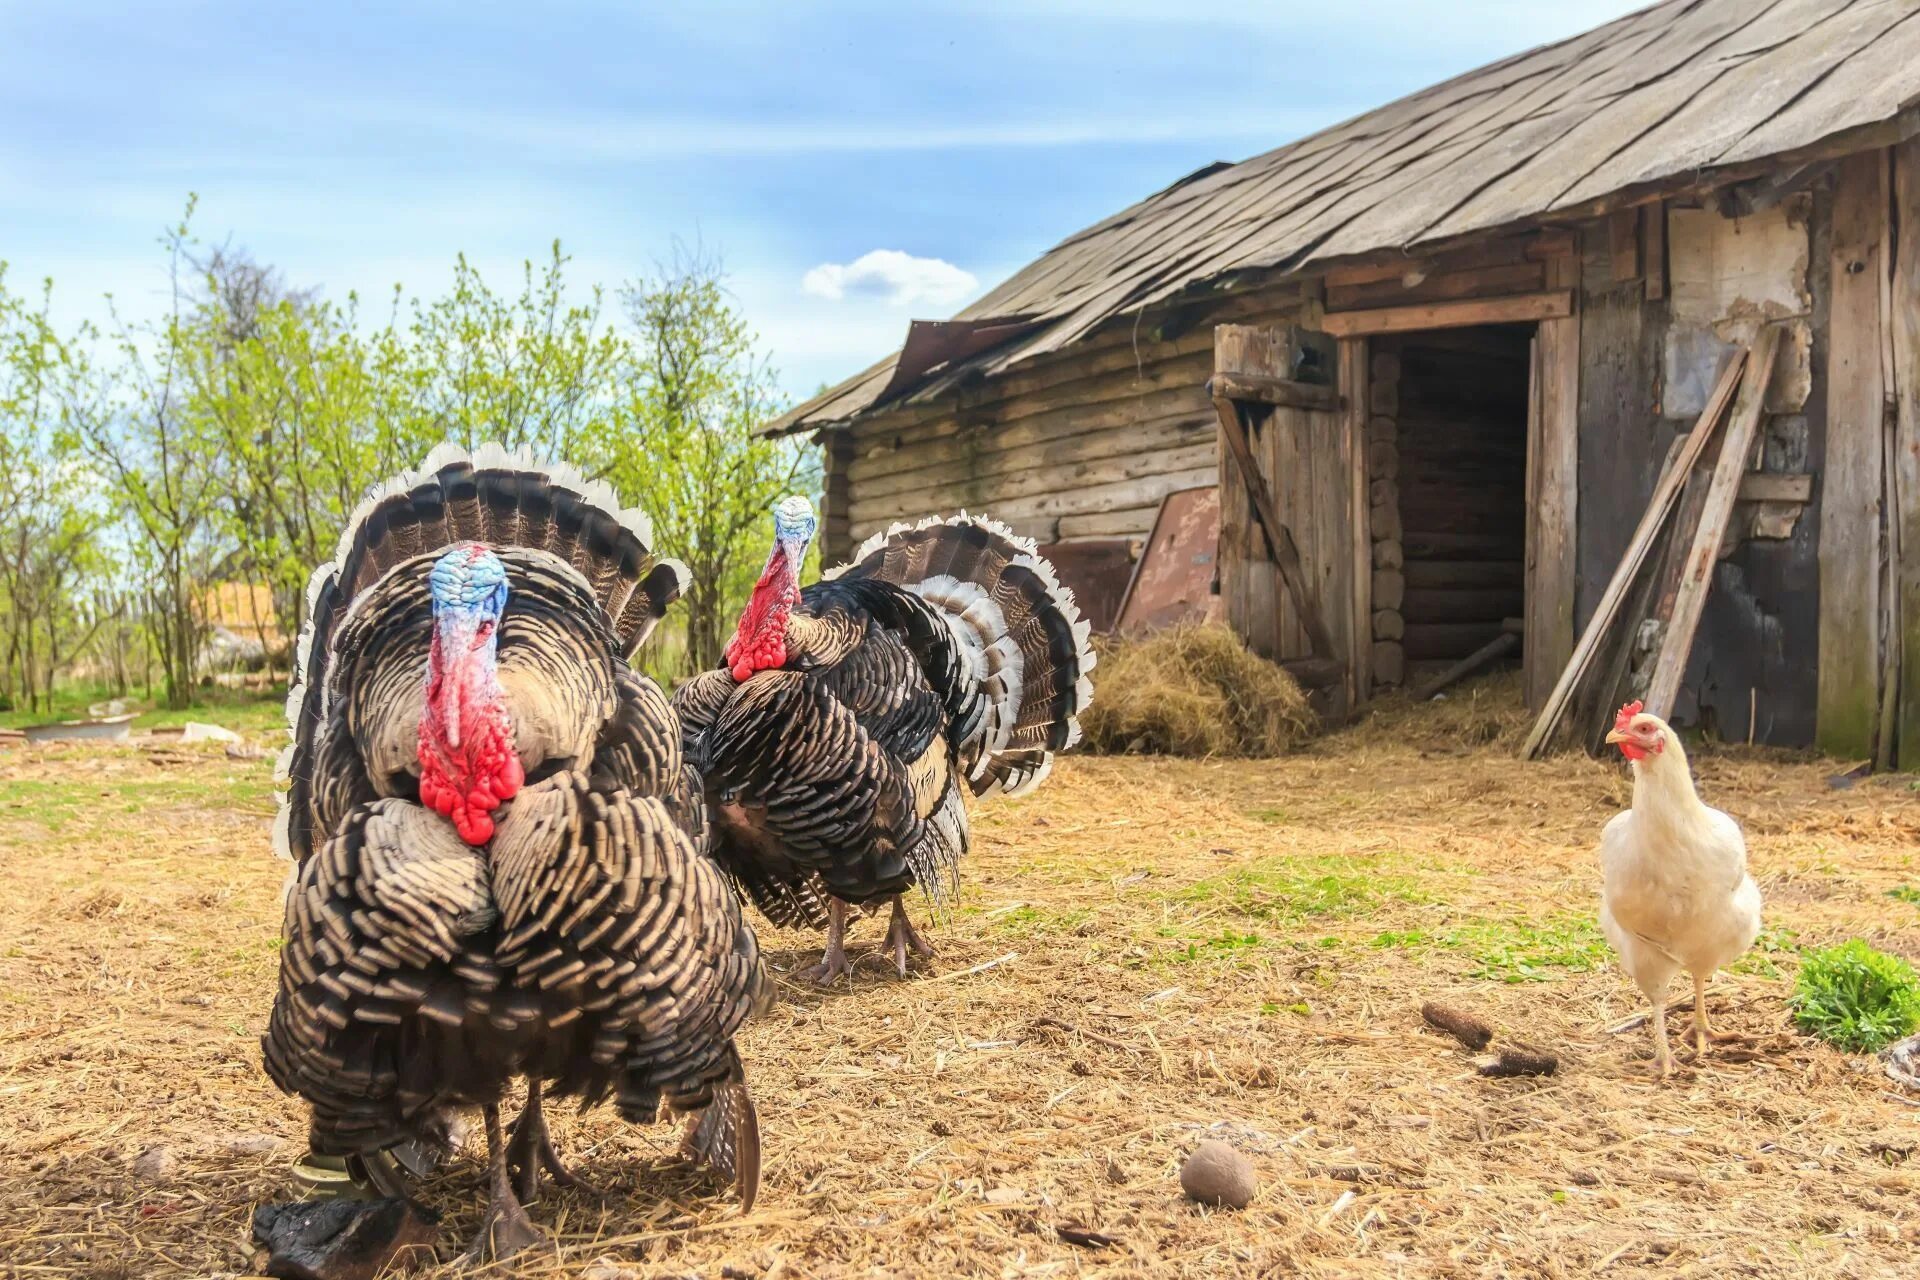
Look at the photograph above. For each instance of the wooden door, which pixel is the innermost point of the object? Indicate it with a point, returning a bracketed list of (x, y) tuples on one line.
[(1304, 444)]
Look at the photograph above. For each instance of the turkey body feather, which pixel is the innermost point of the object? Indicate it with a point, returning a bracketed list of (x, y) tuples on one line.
[(946, 659), (585, 946)]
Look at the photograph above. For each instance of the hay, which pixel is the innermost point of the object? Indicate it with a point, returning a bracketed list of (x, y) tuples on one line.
[(1194, 691)]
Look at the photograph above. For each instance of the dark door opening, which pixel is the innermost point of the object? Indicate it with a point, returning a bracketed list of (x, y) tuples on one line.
[(1461, 420)]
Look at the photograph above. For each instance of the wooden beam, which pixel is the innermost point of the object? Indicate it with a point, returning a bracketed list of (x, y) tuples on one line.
[(1653, 248), (1776, 486), (1852, 482), (1265, 389), (1666, 491), (1553, 465), (1519, 308), (1356, 374), (1623, 244), (1279, 539), (1735, 452), (1504, 643), (1905, 513)]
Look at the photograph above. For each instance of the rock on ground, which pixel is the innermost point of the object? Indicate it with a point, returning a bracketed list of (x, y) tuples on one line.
[(1217, 1174)]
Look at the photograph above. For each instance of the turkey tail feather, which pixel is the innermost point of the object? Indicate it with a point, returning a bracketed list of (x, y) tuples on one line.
[(1018, 628), (726, 1135), (492, 496)]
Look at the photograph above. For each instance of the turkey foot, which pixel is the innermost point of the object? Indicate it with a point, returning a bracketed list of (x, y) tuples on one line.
[(530, 1151), (833, 965), (902, 938), (506, 1230)]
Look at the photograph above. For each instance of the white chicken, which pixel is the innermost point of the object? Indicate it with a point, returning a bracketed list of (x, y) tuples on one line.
[(1676, 893)]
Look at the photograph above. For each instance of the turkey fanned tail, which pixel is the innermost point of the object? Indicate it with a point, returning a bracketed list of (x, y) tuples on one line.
[(1021, 646)]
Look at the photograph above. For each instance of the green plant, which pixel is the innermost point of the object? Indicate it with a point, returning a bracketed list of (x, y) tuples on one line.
[(1856, 998), (1905, 893)]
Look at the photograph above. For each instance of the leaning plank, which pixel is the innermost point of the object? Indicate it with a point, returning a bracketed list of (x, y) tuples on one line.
[(1905, 510), (1665, 491), (1549, 304), (1722, 492), (1279, 540), (1504, 643)]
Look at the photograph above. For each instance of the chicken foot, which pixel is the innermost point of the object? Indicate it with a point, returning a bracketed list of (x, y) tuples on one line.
[(902, 938), (833, 964), (506, 1230), (530, 1152), (1703, 1032)]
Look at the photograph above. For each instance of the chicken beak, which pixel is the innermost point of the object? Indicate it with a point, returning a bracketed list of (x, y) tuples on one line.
[(1615, 736)]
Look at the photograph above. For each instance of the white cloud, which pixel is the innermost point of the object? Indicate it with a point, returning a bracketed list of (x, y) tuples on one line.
[(893, 277)]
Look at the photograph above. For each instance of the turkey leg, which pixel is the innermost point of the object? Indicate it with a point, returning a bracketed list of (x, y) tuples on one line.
[(833, 965), (902, 938), (530, 1151), (506, 1230)]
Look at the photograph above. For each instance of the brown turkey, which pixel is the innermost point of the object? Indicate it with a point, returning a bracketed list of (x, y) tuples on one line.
[(496, 840), (851, 717)]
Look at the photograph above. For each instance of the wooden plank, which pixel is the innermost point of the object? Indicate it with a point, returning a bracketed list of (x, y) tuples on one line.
[(1851, 481), (1905, 311), (1776, 486), (1623, 244), (1276, 536), (1653, 248), (1269, 390), (1414, 285), (1549, 304), (950, 488), (1735, 453), (1553, 465), (1356, 383), (1680, 462), (1498, 647)]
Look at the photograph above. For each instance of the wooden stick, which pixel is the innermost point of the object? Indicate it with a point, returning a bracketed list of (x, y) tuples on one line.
[(1548, 304), (1665, 492), (1504, 643), (982, 967), (1271, 390), (1735, 451), (1280, 544)]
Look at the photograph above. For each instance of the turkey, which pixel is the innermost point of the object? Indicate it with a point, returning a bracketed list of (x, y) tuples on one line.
[(837, 742), (496, 843)]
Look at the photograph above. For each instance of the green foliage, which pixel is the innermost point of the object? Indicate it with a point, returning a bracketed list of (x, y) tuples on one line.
[(1856, 998), (1905, 893), (1289, 890), (228, 440), (1511, 951)]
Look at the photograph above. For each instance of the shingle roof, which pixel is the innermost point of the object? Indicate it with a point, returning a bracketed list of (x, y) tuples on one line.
[(1677, 89)]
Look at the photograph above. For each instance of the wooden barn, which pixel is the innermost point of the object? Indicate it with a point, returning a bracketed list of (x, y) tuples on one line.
[(1461, 342)]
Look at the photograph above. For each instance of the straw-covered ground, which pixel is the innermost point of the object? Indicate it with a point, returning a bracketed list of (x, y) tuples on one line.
[(1149, 951)]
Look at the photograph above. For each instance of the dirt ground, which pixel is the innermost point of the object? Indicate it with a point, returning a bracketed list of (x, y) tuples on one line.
[(1148, 952)]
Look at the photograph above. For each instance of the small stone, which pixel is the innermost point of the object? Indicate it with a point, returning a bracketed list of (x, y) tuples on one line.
[(344, 1239), (1217, 1174), (155, 1164)]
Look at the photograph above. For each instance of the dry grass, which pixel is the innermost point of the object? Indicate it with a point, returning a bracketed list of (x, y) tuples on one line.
[(1235, 948), (1194, 691)]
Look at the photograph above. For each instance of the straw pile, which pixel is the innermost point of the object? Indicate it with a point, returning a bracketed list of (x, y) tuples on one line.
[(1194, 691)]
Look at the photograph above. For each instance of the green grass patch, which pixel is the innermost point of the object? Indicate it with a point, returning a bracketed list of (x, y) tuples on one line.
[(57, 803), (255, 714), (1511, 951), (1856, 998), (1291, 890), (1905, 893)]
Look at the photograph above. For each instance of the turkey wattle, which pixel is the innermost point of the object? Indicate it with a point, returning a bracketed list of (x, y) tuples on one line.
[(497, 841), (836, 743)]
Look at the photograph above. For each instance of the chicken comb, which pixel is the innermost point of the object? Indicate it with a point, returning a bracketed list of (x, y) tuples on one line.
[(1627, 713)]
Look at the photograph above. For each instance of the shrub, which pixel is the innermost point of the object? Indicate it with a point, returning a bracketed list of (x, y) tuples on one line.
[(1855, 998), (1194, 691)]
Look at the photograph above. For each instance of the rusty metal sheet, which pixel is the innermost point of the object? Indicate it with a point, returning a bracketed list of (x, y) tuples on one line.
[(1098, 570), (1174, 581)]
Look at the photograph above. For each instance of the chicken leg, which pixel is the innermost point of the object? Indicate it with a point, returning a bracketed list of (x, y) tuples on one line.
[(902, 938), (1662, 1051), (506, 1230), (833, 965), (530, 1152), (1703, 1032)]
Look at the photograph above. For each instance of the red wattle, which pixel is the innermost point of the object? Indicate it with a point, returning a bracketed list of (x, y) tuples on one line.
[(760, 641)]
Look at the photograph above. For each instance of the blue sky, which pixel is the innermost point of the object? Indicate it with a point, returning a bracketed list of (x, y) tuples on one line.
[(857, 165)]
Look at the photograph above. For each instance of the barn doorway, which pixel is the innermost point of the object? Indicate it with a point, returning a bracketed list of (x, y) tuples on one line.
[(1458, 400)]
